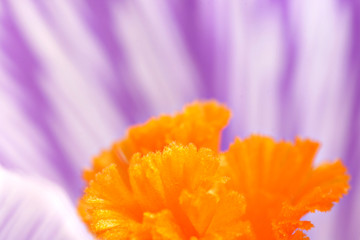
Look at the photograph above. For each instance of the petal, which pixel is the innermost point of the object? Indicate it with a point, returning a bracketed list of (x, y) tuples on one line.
[(33, 208)]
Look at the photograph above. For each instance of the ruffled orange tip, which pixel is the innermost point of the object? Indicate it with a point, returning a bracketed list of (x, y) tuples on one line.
[(280, 185), (200, 123), (173, 194), (164, 180)]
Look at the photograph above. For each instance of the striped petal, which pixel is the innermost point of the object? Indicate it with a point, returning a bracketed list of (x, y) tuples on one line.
[(73, 75)]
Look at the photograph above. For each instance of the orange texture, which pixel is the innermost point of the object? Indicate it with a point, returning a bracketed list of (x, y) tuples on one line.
[(167, 179), (280, 184), (173, 194), (200, 123)]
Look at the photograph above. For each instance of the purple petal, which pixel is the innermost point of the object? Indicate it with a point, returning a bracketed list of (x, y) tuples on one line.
[(74, 75)]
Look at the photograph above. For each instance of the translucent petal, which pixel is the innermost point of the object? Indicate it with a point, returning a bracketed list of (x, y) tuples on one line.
[(33, 208)]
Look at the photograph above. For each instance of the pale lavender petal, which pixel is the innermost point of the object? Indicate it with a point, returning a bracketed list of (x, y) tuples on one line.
[(293, 76), (33, 208), (71, 98), (75, 74), (349, 211)]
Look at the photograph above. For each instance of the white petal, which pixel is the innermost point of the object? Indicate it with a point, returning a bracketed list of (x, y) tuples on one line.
[(33, 208)]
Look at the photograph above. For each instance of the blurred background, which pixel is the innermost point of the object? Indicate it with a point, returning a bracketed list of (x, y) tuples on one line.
[(75, 74)]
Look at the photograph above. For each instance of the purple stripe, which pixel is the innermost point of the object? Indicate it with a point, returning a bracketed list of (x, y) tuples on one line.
[(352, 152), (289, 122), (100, 21), (208, 48), (33, 101), (200, 42)]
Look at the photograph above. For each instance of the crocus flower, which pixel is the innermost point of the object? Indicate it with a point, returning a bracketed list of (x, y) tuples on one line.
[(75, 75)]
